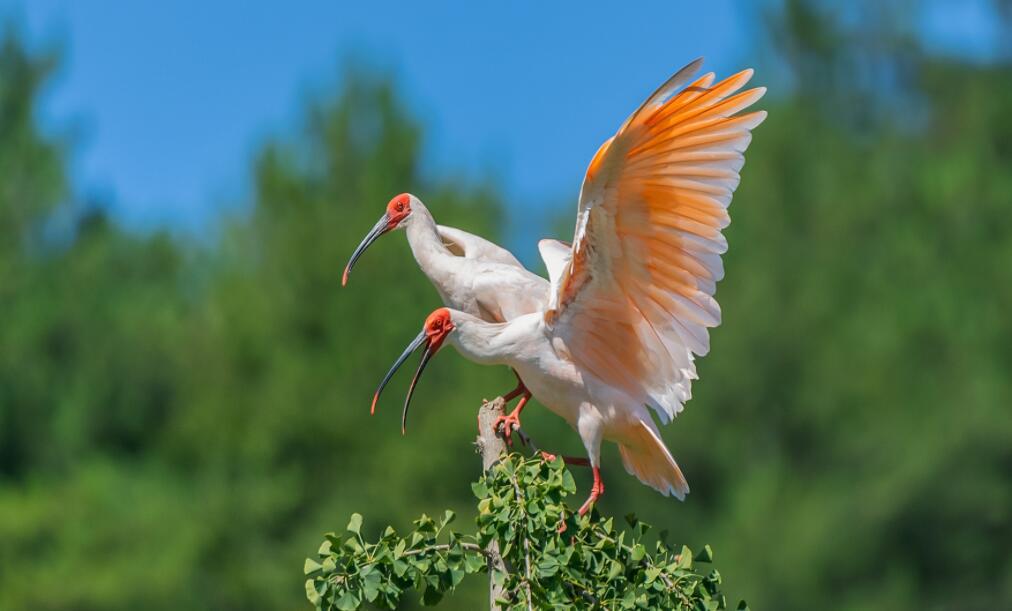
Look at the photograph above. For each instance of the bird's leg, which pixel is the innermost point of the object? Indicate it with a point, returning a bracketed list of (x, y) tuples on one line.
[(516, 392), (595, 492), (569, 460), (511, 422)]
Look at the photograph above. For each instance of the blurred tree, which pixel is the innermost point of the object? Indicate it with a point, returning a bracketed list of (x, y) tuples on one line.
[(145, 382), (31, 164)]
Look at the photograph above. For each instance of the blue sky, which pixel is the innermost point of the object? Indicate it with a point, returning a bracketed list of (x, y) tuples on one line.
[(173, 97)]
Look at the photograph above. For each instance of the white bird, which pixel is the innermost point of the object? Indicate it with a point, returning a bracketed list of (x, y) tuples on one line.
[(470, 273), (632, 298)]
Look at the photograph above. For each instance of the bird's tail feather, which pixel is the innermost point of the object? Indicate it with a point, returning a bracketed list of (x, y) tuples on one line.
[(649, 460)]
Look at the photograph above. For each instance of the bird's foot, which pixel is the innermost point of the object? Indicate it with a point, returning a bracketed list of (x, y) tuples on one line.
[(509, 423)]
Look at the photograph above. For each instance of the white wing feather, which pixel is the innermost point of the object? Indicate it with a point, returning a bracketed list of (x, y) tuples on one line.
[(476, 247)]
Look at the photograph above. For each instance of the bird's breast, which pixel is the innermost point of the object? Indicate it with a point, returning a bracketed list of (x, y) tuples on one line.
[(556, 384)]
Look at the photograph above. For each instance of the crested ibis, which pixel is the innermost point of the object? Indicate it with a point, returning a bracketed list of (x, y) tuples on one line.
[(631, 299)]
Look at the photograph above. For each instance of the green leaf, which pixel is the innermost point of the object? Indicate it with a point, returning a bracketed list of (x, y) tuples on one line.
[(311, 566), (548, 566), (400, 567), (568, 483), (329, 565), (652, 574), (311, 593), (324, 548), (347, 602), (473, 562), (638, 552), (705, 554), (479, 489), (352, 544), (615, 569), (355, 524), (425, 525), (370, 584), (685, 558)]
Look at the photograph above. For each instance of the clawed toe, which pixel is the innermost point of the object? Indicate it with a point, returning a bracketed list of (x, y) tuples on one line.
[(508, 424)]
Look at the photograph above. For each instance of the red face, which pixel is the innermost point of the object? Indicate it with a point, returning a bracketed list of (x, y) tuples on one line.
[(398, 209), (437, 326)]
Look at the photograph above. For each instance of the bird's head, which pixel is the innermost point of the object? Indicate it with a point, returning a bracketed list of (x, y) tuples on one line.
[(436, 329), (396, 216)]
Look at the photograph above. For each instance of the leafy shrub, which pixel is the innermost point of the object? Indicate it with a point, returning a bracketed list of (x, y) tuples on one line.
[(521, 507)]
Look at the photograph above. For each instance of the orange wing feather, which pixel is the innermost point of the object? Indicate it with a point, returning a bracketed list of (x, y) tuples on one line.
[(637, 297)]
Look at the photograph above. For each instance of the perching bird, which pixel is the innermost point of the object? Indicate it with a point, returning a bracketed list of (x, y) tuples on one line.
[(632, 298), (470, 273)]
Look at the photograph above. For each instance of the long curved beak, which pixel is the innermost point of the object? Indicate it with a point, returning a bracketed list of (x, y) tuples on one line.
[(412, 347), (430, 349), (432, 345), (382, 226)]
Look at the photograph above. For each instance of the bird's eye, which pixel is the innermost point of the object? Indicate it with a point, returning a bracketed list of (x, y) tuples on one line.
[(400, 207)]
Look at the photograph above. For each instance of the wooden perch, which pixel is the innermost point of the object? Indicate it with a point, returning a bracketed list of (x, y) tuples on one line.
[(491, 446)]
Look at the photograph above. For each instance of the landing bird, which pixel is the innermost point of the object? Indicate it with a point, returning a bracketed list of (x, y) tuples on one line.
[(470, 273), (632, 298)]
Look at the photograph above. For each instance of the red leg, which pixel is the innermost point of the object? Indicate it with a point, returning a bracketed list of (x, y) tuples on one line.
[(516, 392), (569, 460), (595, 492)]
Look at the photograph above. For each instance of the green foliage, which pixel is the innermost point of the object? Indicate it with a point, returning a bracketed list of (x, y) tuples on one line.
[(354, 571), (521, 505)]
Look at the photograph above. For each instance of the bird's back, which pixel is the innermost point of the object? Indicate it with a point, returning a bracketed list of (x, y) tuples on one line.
[(490, 289)]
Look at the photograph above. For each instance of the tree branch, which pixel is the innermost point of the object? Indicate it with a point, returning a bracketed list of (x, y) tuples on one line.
[(491, 447), (527, 544), (445, 547)]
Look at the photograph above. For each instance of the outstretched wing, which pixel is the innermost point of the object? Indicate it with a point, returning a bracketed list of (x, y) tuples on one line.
[(636, 297)]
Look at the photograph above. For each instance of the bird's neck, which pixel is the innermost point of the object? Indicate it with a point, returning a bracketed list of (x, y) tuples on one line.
[(426, 245), (492, 343)]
